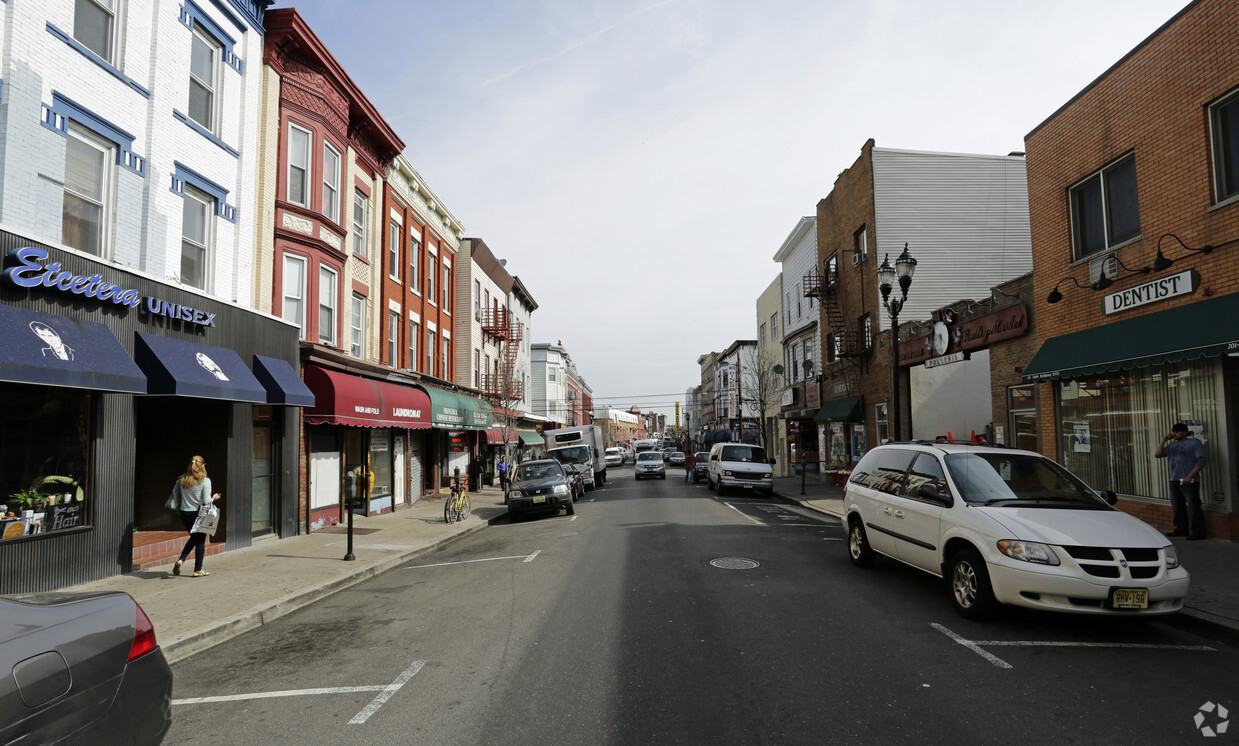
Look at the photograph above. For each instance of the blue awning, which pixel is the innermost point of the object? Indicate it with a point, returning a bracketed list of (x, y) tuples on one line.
[(183, 368), (283, 384), (44, 348)]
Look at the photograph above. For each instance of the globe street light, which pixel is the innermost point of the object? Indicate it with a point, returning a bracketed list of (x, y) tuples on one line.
[(905, 267)]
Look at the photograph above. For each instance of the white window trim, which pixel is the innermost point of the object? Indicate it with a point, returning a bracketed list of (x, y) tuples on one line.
[(309, 165), (208, 250), (357, 327), (360, 218), (334, 306), (284, 291), (415, 261), (332, 181), (114, 41), (107, 186), (394, 231), (393, 339), (217, 57)]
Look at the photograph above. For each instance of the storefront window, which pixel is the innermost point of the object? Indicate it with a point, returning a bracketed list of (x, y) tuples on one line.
[(879, 422), (1110, 427), (380, 463), (1022, 406), (44, 468)]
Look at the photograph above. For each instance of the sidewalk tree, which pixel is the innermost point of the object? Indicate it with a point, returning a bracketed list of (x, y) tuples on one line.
[(761, 392)]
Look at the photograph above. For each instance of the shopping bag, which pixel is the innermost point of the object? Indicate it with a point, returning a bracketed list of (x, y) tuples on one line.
[(173, 502), (207, 521)]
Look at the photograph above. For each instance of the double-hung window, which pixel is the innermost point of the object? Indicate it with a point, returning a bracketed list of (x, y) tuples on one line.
[(85, 216), (430, 351), (1224, 121), (94, 25), (331, 183), (361, 216), (293, 305), (1105, 210), (196, 239), (447, 284), (299, 165), (415, 261), (393, 339), (328, 279), (860, 245), (477, 299), (357, 326), (866, 331), (414, 335), (447, 353), (431, 261), (393, 250), (204, 60)]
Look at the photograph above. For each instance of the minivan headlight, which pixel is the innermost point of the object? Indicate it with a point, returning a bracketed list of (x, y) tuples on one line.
[(1028, 551), (1172, 558)]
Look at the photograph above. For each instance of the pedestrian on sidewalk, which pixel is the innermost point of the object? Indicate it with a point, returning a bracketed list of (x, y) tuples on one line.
[(1187, 459), (190, 492), (690, 461), (502, 468)]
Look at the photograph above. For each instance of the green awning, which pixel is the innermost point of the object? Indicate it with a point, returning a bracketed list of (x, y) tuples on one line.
[(840, 410), (1202, 329), (530, 438), (453, 411), (478, 413)]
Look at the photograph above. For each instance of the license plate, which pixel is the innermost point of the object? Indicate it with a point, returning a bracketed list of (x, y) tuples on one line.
[(748, 486), (539, 498), (1129, 598)]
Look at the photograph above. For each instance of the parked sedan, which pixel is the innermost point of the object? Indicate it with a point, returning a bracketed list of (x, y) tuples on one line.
[(650, 464), (540, 486), (576, 480), (676, 458), (81, 666)]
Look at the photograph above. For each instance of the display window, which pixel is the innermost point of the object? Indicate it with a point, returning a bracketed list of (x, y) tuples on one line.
[(44, 467)]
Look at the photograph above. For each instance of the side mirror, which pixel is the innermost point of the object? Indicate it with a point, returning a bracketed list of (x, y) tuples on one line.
[(930, 492), (772, 462), (1109, 497)]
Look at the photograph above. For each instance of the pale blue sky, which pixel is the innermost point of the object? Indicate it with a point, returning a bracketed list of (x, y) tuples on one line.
[(638, 163)]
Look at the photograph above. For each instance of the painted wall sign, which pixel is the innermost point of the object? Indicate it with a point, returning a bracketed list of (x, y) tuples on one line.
[(979, 333), (27, 270), (1183, 283), (787, 397)]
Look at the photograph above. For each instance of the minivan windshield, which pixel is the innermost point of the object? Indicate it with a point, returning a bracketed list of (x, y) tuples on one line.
[(1014, 478), (650, 456), (753, 454), (573, 455)]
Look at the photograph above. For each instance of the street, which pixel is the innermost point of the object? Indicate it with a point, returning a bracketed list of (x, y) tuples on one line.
[(661, 613)]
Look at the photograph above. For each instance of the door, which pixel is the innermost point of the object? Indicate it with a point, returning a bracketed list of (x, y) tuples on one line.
[(917, 522), (325, 473), (357, 475), (262, 475), (415, 468), (398, 475)]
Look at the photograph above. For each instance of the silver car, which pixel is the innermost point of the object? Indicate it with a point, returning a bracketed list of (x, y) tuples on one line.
[(650, 464)]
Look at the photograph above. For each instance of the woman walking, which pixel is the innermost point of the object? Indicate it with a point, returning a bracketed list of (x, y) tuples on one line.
[(191, 491)]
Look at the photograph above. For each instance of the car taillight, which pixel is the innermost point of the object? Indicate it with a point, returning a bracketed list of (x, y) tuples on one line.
[(143, 635)]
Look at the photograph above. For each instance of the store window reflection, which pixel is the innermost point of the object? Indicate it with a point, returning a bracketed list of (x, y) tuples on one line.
[(44, 470)]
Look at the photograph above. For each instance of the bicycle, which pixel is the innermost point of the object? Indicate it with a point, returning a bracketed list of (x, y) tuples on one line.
[(456, 507)]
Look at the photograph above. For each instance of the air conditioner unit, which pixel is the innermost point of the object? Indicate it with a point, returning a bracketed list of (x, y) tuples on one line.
[(857, 258)]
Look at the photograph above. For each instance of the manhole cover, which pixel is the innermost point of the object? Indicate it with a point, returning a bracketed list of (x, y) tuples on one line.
[(734, 563)]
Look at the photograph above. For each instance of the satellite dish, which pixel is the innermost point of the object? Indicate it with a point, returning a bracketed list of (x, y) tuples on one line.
[(778, 370), (503, 262), (808, 366)]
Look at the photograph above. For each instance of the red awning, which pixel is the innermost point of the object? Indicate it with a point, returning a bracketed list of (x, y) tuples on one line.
[(343, 399), (494, 437)]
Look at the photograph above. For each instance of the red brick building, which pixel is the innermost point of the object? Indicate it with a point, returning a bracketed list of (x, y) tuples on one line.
[(1133, 189)]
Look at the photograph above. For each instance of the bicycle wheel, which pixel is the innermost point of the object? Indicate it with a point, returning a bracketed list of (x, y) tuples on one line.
[(449, 509), (465, 506)]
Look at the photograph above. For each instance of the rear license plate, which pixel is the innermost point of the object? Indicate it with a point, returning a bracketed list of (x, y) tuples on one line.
[(748, 486), (539, 499), (1129, 598)]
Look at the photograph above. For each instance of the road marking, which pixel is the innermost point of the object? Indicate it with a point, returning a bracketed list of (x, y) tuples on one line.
[(999, 662), (573, 518), (388, 692), (270, 695), (751, 518), (465, 562), (535, 554)]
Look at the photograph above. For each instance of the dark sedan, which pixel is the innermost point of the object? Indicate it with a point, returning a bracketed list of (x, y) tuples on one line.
[(540, 486), (83, 667), (702, 465)]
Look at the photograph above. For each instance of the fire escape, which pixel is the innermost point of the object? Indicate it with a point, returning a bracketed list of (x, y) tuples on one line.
[(849, 354), (502, 384)]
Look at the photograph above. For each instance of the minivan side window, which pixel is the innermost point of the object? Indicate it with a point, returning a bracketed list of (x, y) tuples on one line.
[(883, 469), (925, 470)]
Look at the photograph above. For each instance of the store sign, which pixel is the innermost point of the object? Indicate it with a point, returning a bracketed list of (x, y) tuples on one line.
[(954, 357), (840, 389), (26, 271), (1184, 283), (969, 335), (456, 441), (787, 397)]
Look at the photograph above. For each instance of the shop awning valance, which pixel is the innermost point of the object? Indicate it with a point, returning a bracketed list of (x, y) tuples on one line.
[(1203, 329), (840, 410), (183, 368), (530, 438), (495, 437), (282, 383), (51, 350), (452, 411), (344, 399)]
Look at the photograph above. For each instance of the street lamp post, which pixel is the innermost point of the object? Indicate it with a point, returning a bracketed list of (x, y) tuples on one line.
[(903, 270)]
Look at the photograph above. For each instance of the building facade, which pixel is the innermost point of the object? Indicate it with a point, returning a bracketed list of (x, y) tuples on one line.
[(776, 430), (799, 394)]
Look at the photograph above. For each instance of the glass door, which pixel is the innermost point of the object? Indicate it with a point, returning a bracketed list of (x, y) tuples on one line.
[(262, 471), (357, 474)]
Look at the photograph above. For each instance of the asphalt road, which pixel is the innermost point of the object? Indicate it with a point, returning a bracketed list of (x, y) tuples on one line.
[(663, 614)]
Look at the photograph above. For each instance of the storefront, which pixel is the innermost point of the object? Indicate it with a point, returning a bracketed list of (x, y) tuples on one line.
[(841, 427), (799, 403), (457, 438), (110, 381)]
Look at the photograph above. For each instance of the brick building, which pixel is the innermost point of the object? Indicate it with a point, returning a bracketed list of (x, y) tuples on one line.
[(1134, 198)]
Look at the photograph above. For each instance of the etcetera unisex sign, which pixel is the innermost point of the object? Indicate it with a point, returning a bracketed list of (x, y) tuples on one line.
[(1152, 291), (28, 268)]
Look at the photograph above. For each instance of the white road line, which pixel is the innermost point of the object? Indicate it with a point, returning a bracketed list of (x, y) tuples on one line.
[(999, 662), (573, 518), (465, 562), (1052, 644), (535, 554), (270, 695), (388, 692), (751, 518)]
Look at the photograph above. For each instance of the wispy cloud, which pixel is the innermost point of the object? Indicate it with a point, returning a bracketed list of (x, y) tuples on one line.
[(574, 45)]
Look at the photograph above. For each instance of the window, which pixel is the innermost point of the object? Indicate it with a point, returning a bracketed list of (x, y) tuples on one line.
[(84, 218), (357, 327), (551, 373), (293, 306), (447, 285), (763, 335), (414, 335), (1224, 117), (866, 331), (204, 59), (832, 270), (393, 251), (94, 25), (415, 261), (477, 368), (327, 280), (196, 238), (361, 216), (477, 299), (879, 417), (393, 339), (1022, 410), (486, 304), (832, 351), (331, 183), (1104, 208), (431, 260), (806, 354), (447, 354), (774, 326), (860, 245), (298, 165), (430, 352)]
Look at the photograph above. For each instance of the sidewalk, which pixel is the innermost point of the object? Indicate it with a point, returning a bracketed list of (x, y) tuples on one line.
[(1212, 606), (250, 587)]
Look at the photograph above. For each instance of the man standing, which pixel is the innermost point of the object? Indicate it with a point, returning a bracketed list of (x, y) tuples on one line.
[(502, 468), (690, 460), (1187, 458)]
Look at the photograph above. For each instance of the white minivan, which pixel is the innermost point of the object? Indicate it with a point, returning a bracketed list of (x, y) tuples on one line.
[(740, 466)]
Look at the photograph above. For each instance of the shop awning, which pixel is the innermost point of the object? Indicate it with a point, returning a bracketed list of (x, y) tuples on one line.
[(530, 438), (494, 437), (47, 349), (282, 383), (344, 399), (840, 410), (1202, 329), (183, 368), (452, 411)]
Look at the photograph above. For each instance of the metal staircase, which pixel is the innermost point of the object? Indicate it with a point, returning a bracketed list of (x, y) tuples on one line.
[(503, 386), (850, 351)]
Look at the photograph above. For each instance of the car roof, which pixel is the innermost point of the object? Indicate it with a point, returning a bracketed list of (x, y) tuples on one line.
[(947, 448)]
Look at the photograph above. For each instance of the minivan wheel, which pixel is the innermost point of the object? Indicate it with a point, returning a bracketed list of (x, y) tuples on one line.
[(859, 551), (970, 587)]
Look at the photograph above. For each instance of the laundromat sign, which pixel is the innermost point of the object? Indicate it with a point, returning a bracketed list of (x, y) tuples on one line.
[(28, 268)]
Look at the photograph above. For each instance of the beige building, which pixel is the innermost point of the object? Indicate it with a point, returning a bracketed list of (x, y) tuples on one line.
[(769, 355)]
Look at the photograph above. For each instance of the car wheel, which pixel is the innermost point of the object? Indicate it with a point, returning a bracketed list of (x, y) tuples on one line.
[(970, 587), (664, 475), (571, 509), (859, 551)]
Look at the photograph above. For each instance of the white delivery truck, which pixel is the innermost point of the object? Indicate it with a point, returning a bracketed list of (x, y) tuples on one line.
[(579, 445)]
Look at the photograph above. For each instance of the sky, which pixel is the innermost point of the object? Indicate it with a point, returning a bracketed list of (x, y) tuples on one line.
[(638, 163)]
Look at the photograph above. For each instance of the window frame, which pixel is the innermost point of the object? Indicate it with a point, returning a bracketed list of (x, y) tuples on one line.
[(107, 182), (113, 36), (860, 245), (1075, 195), (361, 216), (308, 170), (415, 262), (301, 299), (357, 327), (332, 308), (395, 233), (1225, 152), (430, 351), (432, 262), (207, 203), (217, 57), (393, 338), (415, 333), (447, 284), (331, 181)]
